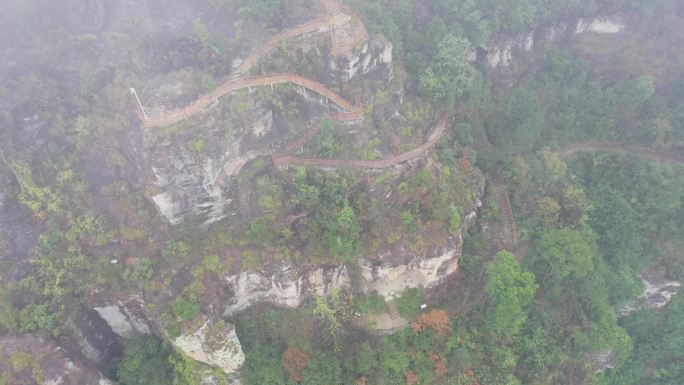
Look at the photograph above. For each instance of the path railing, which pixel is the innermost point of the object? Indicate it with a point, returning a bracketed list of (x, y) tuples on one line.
[(177, 115), (240, 81), (433, 137)]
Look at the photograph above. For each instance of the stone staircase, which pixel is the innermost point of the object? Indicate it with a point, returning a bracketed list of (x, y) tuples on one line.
[(393, 310), (508, 237)]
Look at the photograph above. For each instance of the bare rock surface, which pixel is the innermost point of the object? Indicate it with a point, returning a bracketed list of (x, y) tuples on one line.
[(214, 343), (31, 360)]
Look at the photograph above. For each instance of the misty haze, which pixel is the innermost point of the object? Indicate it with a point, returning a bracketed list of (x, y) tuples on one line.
[(341, 192)]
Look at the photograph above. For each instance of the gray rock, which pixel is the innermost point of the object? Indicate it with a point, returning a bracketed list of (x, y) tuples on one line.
[(48, 363), (95, 337), (127, 319)]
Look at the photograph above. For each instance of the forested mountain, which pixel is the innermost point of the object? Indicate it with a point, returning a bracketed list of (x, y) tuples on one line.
[(324, 192)]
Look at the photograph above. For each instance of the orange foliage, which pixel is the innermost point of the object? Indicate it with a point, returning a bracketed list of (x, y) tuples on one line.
[(411, 378), (361, 381), (437, 320), (294, 361)]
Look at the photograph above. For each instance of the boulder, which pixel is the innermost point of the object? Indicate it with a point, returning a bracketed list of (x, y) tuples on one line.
[(214, 343)]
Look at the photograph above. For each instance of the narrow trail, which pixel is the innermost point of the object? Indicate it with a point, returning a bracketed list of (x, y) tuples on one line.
[(338, 16), (616, 148), (433, 137), (350, 111)]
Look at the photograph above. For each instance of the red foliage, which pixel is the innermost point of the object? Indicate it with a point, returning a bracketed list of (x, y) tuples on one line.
[(411, 378), (437, 319), (294, 361), (465, 161)]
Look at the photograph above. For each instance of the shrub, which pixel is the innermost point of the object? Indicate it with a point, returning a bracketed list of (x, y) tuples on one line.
[(409, 303), (186, 307)]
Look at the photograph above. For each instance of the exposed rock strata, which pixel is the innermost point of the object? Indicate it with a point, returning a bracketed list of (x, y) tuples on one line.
[(503, 51), (388, 274)]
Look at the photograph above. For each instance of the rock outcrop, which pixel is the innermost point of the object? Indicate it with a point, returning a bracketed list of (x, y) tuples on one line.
[(32, 360), (374, 56), (388, 274), (504, 50), (95, 337), (283, 287), (602, 24), (214, 343), (200, 181), (390, 280), (658, 291), (126, 318)]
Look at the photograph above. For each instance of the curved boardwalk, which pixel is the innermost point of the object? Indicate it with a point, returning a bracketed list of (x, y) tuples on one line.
[(433, 137), (351, 112), (339, 15)]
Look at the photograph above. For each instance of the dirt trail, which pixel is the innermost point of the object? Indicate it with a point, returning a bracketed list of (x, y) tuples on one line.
[(616, 148)]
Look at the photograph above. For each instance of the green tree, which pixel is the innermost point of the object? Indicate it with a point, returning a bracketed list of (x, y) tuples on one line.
[(146, 362), (510, 290), (324, 369), (565, 255), (450, 75), (186, 307)]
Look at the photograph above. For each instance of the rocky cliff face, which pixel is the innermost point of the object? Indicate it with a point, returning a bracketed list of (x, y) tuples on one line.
[(32, 360), (126, 318), (101, 332), (388, 274), (374, 56), (283, 286), (391, 279), (193, 171), (503, 51)]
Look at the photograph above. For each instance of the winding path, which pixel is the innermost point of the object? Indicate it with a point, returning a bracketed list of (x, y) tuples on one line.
[(616, 148), (433, 137), (343, 44), (350, 111), (339, 15)]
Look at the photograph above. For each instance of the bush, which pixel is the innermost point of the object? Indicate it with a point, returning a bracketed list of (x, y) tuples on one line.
[(409, 302), (186, 307), (370, 303), (146, 362)]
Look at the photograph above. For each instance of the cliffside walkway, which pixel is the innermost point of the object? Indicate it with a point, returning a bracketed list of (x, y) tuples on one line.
[(433, 137), (350, 111), (616, 148), (338, 16)]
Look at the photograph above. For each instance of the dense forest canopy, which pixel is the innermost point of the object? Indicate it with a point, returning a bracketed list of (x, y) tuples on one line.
[(561, 175)]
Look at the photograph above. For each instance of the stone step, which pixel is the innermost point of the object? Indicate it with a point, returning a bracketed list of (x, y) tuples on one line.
[(393, 310)]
